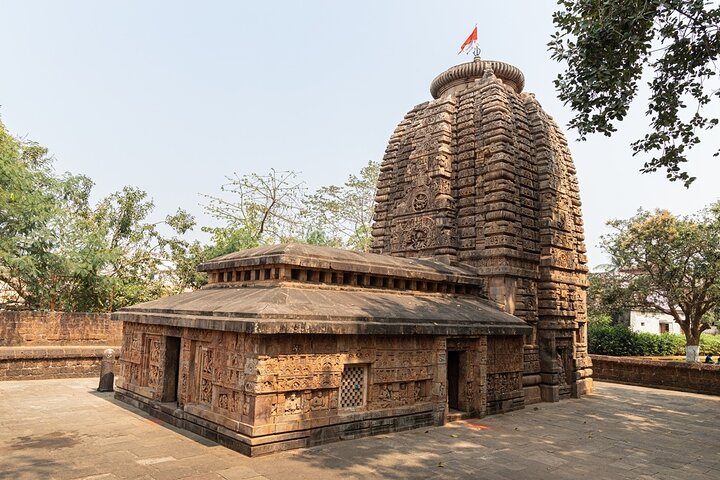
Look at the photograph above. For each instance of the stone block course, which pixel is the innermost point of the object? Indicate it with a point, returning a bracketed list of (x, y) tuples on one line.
[(44, 345), (25, 328), (25, 363), (688, 377)]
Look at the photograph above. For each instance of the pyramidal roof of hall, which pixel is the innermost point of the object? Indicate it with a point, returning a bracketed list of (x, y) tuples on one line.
[(315, 256)]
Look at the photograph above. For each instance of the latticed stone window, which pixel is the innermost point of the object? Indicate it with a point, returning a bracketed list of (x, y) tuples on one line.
[(353, 386)]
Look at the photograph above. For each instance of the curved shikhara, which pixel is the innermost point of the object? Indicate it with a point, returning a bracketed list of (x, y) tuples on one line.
[(483, 176)]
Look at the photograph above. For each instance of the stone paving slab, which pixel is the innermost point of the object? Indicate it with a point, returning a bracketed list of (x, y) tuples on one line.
[(64, 429)]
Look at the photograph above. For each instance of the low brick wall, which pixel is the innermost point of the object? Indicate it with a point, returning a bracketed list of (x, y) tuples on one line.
[(34, 363), (58, 328), (41, 345), (688, 377)]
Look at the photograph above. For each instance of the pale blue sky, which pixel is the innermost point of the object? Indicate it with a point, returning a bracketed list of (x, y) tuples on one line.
[(172, 96)]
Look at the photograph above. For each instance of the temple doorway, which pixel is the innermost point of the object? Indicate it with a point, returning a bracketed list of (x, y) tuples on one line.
[(172, 369), (453, 380)]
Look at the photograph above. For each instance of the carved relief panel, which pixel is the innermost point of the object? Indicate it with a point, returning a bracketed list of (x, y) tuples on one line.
[(206, 370), (152, 361), (505, 363), (564, 365)]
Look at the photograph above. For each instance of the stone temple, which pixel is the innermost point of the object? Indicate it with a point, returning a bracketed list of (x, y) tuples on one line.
[(471, 303)]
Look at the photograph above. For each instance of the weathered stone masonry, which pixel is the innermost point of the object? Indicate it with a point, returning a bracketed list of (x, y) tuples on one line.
[(482, 176), (658, 373), (295, 345), (40, 345), (472, 303)]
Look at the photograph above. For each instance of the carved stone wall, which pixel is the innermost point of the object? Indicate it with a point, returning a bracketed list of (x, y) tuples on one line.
[(504, 374), (271, 384), (472, 385), (299, 377), (212, 367), (483, 176)]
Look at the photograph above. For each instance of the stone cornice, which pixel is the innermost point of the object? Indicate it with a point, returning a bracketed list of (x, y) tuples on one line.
[(467, 72)]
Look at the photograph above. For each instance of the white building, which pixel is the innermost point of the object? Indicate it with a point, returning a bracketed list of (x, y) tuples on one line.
[(650, 322)]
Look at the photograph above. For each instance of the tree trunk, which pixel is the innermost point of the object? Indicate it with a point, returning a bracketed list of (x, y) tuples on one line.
[(691, 353), (692, 339)]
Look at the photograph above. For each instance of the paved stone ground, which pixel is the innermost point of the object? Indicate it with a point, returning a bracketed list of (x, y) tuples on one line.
[(63, 429)]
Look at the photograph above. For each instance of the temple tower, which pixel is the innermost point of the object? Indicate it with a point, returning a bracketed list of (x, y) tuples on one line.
[(482, 176)]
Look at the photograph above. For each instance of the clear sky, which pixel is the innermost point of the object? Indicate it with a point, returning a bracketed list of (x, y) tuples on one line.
[(171, 96)]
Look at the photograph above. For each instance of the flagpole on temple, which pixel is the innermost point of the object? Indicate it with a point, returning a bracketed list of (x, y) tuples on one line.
[(472, 42), (476, 46)]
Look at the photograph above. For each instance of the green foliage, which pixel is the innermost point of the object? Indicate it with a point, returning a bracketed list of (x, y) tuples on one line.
[(274, 208), (345, 212), (611, 340), (710, 344), (619, 340), (136, 256), (608, 45), (602, 319), (265, 209), (185, 257), (659, 345), (320, 237), (664, 264), (59, 252), (34, 206), (259, 209), (229, 240), (608, 294), (223, 241)]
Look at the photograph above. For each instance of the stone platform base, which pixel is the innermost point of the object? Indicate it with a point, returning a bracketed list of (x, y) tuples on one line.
[(39, 363), (374, 423)]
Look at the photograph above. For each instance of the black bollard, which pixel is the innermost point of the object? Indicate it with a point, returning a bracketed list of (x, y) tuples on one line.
[(107, 377)]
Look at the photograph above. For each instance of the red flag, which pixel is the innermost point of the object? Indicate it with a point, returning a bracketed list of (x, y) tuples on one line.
[(472, 38)]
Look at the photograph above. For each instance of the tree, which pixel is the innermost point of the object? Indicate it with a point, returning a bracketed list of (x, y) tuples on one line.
[(258, 209), (608, 45), (136, 259), (275, 207), (59, 252), (255, 210), (668, 264), (34, 205), (604, 295), (346, 212)]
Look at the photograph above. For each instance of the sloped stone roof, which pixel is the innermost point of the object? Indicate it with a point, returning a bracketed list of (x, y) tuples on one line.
[(287, 307)]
